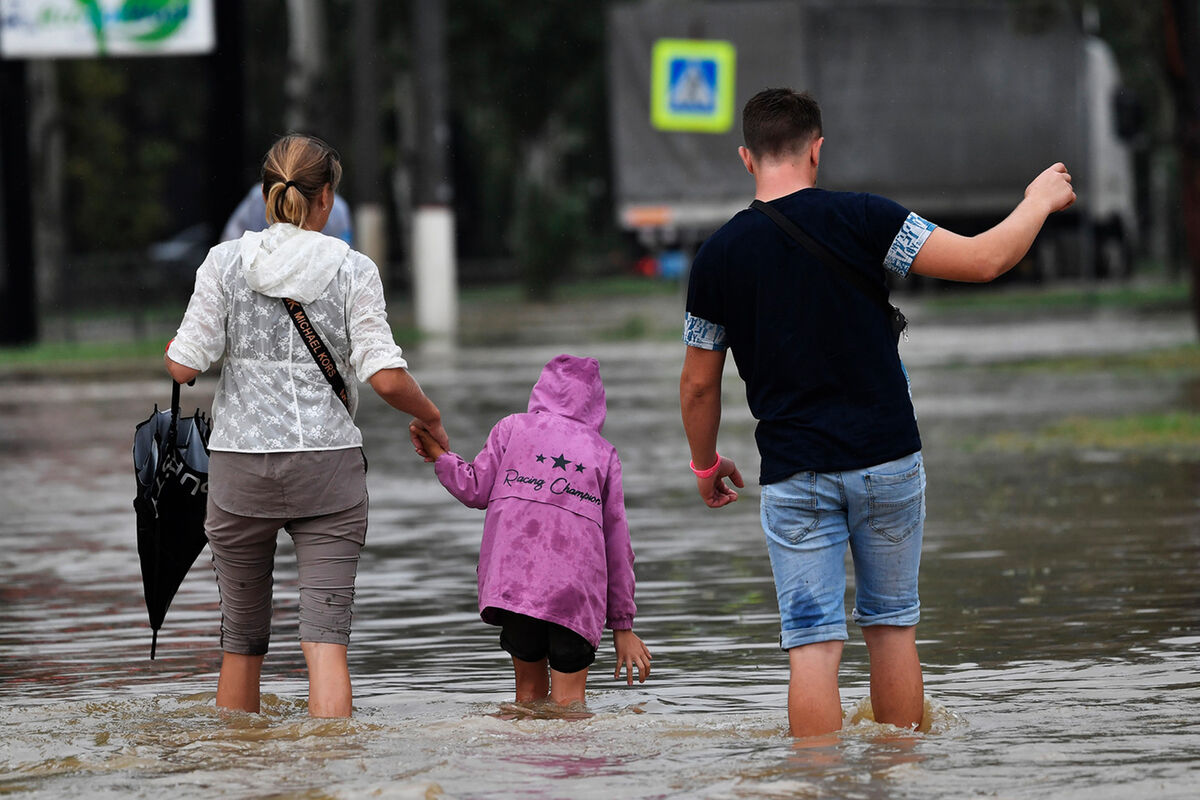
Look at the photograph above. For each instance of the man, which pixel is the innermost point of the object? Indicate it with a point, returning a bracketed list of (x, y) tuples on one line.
[(251, 215), (837, 435)]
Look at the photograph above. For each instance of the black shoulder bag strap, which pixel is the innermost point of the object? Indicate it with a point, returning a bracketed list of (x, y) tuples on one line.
[(874, 291), (320, 353)]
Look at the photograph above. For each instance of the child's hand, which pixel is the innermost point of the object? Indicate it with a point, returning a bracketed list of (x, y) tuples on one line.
[(630, 651), (426, 446)]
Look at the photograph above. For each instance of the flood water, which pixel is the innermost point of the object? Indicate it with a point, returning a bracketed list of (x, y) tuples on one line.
[(1060, 630)]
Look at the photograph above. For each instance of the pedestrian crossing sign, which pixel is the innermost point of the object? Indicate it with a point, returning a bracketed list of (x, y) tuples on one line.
[(692, 83)]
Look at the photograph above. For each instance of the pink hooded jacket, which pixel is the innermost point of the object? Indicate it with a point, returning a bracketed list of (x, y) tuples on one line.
[(555, 541)]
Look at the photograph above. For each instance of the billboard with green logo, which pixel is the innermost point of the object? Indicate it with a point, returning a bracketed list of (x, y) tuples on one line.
[(90, 28)]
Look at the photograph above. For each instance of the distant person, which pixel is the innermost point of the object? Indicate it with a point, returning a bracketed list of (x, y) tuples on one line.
[(251, 215), (286, 452), (555, 563), (837, 435)]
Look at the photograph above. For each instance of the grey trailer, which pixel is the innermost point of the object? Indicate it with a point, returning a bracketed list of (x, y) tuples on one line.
[(949, 108)]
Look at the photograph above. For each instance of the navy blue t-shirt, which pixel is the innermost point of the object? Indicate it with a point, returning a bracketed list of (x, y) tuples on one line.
[(822, 372)]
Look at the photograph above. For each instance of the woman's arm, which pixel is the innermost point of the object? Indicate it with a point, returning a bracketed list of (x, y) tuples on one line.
[(200, 340), (401, 391), (178, 371)]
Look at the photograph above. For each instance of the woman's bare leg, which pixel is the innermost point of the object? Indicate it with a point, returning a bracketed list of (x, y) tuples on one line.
[(329, 693), (237, 688)]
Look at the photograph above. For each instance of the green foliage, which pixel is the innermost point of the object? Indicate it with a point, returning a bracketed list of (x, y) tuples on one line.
[(129, 129), (548, 230), (529, 89), (58, 354), (1172, 434), (1183, 361)]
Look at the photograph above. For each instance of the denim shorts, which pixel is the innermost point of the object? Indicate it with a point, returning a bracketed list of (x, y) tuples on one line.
[(811, 517)]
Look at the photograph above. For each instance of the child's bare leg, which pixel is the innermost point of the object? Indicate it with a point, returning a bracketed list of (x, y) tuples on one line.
[(568, 687), (533, 681)]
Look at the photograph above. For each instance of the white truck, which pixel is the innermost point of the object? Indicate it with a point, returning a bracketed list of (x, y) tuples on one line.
[(947, 107)]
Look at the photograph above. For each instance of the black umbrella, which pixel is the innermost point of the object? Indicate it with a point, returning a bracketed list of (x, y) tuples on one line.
[(170, 459)]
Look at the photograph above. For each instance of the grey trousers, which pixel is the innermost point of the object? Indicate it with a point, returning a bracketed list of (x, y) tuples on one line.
[(320, 499)]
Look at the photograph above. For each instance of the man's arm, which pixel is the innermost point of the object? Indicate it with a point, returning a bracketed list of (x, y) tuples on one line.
[(990, 254), (700, 405)]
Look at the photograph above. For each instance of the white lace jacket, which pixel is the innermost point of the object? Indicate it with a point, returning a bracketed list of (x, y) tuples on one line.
[(271, 396)]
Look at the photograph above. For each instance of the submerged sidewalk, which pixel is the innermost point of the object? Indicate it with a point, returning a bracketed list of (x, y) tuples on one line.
[(614, 312)]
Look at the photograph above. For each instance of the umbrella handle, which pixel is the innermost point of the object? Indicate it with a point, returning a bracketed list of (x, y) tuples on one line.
[(171, 431), (153, 643)]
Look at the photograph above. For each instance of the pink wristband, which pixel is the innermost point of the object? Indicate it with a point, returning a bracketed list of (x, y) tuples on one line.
[(706, 473)]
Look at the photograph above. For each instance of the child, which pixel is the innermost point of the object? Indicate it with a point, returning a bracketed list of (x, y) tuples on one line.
[(555, 563)]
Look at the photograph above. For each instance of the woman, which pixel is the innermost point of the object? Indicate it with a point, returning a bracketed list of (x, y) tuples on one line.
[(285, 450)]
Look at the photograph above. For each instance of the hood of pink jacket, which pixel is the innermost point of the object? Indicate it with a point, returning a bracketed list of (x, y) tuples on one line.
[(570, 386)]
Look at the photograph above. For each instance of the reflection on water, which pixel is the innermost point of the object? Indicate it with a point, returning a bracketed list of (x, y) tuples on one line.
[(1060, 626)]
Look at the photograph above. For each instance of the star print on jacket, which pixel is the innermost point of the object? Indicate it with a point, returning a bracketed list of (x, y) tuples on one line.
[(560, 462)]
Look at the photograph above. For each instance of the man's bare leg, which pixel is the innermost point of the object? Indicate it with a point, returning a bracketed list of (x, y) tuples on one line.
[(814, 703), (533, 680), (237, 687), (897, 688)]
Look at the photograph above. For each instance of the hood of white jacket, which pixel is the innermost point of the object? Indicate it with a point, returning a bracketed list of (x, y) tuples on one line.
[(285, 261)]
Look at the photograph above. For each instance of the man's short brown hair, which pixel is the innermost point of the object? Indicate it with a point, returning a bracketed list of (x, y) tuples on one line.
[(779, 122)]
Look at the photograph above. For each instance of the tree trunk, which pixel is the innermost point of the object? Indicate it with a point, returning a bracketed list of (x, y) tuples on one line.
[(18, 294), (1181, 23), (46, 152)]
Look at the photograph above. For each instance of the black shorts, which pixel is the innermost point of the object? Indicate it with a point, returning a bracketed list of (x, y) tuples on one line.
[(529, 639)]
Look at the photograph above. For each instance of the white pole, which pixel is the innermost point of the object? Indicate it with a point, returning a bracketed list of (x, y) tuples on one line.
[(370, 235), (434, 280), (435, 283)]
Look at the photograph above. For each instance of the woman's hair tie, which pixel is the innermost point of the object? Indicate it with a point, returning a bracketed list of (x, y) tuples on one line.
[(289, 185)]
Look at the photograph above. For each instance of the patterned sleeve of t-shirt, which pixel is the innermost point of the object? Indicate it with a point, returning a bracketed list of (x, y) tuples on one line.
[(704, 320), (897, 233)]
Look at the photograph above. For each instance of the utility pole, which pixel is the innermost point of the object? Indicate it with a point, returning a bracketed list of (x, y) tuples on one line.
[(435, 284), (18, 295), (227, 107), (305, 110), (1181, 22), (369, 231)]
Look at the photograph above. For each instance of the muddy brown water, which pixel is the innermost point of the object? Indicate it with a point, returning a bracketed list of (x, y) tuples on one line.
[(1060, 629)]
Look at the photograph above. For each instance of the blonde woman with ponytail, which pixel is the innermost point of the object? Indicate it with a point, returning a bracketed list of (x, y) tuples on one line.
[(286, 453)]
